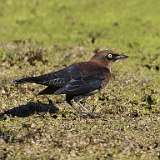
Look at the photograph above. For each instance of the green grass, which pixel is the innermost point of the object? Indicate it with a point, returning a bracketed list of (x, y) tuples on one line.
[(40, 36)]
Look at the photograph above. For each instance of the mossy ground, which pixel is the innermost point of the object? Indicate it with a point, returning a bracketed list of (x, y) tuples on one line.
[(40, 36)]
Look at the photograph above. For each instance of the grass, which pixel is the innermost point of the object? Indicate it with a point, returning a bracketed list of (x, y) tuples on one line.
[(40, 36)]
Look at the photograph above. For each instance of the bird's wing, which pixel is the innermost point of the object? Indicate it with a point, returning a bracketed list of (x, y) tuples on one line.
[(80, 86), (61, 77), (57, 79), (91, 78)]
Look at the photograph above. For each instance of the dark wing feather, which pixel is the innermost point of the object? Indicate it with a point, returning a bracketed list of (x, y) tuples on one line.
[(48, 90), (56, 80), (80, 87)]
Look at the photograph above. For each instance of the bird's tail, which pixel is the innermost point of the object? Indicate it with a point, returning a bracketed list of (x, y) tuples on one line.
[(25, 80)]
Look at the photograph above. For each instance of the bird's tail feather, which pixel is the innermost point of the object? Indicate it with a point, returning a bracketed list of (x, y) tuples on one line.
[(25, 80)]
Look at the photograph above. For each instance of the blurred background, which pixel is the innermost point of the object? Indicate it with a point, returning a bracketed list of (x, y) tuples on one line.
[(110, 23)]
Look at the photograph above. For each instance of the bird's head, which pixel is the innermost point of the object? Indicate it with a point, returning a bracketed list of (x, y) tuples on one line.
[(107, 56)]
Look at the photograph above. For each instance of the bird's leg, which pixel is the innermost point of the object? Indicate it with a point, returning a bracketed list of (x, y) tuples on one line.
[(82, 107), (70, 101), (75, 108), (82, 111), (78, 100), (85, 112)]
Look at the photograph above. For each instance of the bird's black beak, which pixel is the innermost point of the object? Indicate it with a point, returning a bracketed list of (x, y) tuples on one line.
[(120, 57)]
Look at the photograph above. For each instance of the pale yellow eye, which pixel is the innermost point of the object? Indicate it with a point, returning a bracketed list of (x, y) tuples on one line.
[(109, 56)]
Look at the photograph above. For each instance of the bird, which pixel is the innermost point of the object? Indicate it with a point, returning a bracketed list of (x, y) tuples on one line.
[(78, 80)]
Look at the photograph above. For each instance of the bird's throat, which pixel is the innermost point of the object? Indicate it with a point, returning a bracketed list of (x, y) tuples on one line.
[(104, 64)]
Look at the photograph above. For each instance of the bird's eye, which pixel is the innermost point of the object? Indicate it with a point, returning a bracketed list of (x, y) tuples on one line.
[(109, 56)]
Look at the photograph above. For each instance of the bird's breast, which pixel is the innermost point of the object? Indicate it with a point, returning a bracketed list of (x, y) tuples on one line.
[(95, 71)]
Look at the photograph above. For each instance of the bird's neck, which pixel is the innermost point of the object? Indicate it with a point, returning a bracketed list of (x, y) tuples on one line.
[(104, 64)]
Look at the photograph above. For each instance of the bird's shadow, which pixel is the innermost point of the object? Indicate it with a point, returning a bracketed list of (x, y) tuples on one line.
[(28, 109)]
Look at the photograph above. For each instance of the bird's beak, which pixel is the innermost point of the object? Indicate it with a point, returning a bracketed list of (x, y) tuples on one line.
[(120, 57)]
